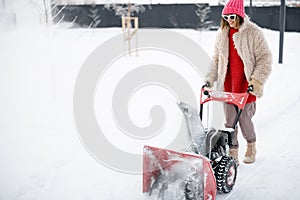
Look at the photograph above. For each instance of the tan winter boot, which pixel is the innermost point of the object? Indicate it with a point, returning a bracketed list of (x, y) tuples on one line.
[(250, 153), (234, 152)]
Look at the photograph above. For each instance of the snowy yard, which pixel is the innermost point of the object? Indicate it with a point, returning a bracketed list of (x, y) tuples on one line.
[(41, 154)]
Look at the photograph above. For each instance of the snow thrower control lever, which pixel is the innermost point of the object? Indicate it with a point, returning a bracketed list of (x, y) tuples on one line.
[(250, 88), (205, 92)]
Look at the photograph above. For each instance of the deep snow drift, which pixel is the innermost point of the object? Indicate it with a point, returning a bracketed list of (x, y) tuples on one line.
[(40, 151)]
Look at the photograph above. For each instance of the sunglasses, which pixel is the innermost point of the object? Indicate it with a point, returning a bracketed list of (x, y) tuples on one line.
[(231, 17)]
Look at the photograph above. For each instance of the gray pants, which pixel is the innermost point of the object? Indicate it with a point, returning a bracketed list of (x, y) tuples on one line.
[(245, 121)]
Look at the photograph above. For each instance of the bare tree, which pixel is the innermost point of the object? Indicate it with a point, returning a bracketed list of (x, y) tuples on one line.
[(50, 11), (125, 9), (202, 12), (94, 15)]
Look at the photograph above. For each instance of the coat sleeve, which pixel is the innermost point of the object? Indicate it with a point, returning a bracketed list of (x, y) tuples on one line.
[(212, 74), (263, 58)]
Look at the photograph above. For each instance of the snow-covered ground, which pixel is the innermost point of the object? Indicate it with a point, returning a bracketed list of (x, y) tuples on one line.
[(41, 154)]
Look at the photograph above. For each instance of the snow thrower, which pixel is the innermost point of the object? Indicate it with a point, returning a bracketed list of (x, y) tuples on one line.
[(205, 166)]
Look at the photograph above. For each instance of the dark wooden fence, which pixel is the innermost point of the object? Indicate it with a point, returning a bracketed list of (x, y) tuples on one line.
[(176, 16)]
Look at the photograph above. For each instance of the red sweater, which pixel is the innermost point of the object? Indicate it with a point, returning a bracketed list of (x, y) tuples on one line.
[(235, 80)]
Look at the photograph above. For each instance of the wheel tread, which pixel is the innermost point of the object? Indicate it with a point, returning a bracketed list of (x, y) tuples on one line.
[(221, 173)]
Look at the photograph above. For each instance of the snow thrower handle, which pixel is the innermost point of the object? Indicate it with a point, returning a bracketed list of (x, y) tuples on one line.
[(238, 99)]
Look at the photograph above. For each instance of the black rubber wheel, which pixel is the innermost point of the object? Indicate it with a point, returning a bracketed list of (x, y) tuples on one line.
[(225, 173)]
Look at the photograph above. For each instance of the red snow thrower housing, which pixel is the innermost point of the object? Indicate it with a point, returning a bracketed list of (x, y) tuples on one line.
[(205, 167)]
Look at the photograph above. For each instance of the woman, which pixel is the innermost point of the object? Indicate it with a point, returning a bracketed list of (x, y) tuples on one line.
[(241, 58)]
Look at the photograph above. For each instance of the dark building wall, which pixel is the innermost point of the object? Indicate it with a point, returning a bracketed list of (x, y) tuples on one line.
[(177, 16)]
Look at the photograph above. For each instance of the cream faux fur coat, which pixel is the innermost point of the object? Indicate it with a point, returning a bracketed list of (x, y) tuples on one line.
[(251, 47)]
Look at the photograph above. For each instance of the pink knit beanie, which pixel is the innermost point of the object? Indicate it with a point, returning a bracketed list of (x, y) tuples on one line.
[(234, 7)]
